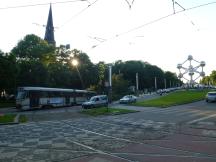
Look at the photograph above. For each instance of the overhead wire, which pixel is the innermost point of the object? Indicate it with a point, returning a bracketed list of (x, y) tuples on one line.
[(77, 14), (40, 4), (190, 20), (156, 20)]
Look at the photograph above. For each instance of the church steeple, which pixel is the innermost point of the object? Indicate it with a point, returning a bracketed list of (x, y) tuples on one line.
[(49, 34)]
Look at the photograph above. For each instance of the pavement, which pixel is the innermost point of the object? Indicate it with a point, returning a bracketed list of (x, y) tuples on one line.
[(183, 133)]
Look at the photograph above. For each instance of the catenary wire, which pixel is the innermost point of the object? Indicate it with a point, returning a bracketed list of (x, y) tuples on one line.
[(41, 4), (155, 21)]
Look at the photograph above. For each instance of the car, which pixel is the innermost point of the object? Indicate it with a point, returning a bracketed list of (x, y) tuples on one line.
[(96, 101), (128, 99), (211, 96)]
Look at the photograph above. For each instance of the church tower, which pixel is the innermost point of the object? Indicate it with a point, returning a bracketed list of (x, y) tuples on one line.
[(49, 34)]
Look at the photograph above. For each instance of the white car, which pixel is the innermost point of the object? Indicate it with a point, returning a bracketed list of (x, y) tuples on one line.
[(128, 99), (211, 97), (96, 101)]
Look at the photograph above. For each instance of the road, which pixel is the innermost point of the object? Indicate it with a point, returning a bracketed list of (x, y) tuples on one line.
[(177, 114), (180, 133)]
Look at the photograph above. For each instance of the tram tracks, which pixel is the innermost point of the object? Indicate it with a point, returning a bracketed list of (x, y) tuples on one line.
[(101, 135)]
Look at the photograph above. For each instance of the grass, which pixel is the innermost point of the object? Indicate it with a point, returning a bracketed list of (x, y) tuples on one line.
[(7, 118), (23, 119), (175, 98), (105, 111)]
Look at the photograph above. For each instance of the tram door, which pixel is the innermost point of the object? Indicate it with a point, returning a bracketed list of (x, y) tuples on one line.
[(67, 100), (34, 99)]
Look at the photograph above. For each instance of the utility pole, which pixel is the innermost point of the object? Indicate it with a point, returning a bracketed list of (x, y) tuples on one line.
[(137, 82), (155, 83), (165, 83), (110, 83), (173, 6)]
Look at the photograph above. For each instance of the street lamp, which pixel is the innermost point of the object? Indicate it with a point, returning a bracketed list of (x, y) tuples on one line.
[(75, 63), (110, 83)]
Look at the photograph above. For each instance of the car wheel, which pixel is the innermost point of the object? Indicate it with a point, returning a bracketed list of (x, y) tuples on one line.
[(206, 100)]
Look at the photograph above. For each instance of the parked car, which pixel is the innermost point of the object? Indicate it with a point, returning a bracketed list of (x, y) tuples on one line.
[(128, 99), (96, 101), (211, 96)]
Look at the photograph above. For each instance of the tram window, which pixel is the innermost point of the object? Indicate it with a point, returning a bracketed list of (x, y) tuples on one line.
[(43, 94), (34, 94)]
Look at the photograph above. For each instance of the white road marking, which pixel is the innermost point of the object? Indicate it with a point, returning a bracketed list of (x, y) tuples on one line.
[(200, 119)]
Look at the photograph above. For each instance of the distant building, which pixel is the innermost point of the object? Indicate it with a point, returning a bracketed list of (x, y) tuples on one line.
[(49, 34)]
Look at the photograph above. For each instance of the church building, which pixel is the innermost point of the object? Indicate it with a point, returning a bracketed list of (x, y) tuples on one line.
[(49, 34)]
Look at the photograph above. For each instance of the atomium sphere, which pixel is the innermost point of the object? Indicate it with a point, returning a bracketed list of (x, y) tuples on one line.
[(179, 66), (190, 57), (202, 74), (202, 63), (191, 73), (180, 75)]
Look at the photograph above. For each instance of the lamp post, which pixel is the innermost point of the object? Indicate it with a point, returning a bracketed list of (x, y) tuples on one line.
[(75, 63), (137, 83), (155, 83), (165, 86), (110, 83)]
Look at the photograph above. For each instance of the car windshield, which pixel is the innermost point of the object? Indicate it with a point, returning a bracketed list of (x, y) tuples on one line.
[(93, 99), (125, 97)]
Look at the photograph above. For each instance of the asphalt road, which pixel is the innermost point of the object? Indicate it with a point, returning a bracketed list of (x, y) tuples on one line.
[(176, 114)]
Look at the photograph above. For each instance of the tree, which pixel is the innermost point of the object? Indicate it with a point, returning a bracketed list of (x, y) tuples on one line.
[(32, 73), (33, 47), (171, 78), (7, 73), (100, 76), (213, 77), (33, 56), (119, 86), (84, 69), (60, 75)]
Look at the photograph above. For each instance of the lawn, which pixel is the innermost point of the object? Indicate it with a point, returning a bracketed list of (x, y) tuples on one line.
[(7, 118), (175, 98), (105, 111), (23, 119)]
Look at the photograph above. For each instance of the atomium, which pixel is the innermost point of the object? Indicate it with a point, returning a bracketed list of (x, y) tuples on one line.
[(194, 71)]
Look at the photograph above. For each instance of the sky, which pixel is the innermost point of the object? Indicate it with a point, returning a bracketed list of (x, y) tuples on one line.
[(111, 30)]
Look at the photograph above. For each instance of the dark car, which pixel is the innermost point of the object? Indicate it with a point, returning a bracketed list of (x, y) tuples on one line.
[(128, 99), (96, 101)]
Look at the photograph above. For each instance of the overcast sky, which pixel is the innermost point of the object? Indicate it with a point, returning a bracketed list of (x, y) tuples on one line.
[(110, 30)]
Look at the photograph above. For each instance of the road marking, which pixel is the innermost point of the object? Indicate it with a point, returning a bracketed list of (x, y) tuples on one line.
[(200, 119), (195, 155)]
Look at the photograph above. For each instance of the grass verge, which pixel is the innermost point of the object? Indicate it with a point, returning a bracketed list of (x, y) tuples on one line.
[(9, 118), (105, 111), (23, 119), (175, 98)]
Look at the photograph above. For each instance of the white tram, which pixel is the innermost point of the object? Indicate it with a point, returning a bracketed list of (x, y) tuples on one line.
[(41, 97)]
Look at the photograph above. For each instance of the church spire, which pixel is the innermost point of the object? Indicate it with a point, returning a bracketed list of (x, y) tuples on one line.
[(49, 34)]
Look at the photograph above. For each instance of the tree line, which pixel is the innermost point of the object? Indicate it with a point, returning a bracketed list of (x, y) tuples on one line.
[(33, 62), (209, 80)]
